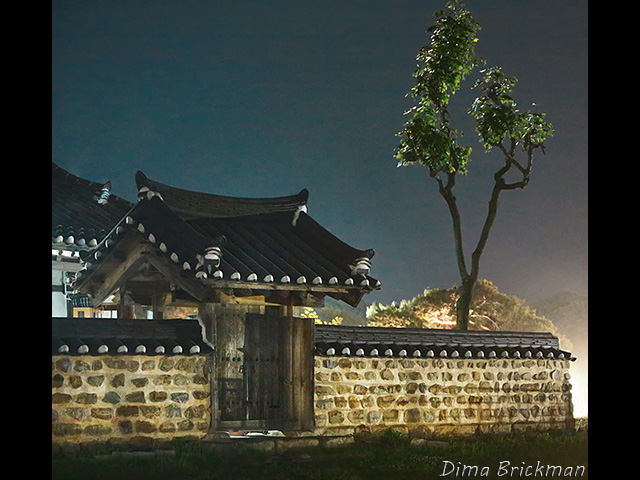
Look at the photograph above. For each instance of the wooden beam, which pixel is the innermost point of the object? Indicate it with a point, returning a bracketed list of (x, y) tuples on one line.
[(159, 298), (248, 300), (114, 278), (193, 287), (287, 287)]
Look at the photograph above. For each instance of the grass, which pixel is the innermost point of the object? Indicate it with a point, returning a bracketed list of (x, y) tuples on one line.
[(388, 456)]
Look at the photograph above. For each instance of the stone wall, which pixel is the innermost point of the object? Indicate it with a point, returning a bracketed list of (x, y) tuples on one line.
[(441, 397), (97, 398)]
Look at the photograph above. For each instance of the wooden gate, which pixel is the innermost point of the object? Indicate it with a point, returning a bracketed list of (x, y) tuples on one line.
[(265, 370)]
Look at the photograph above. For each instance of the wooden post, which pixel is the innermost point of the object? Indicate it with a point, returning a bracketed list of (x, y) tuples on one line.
[(126, 305), (158, 300), (207, 320), (301, 364), (303, 381)]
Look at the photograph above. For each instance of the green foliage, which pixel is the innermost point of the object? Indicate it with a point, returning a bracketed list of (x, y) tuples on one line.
[(390, 458), (429, 136), (490, 310), (335, 312), (430, 139), (449, 58), (432, 144), (497, 117), (433, 309), (394, 437), (308, 312)]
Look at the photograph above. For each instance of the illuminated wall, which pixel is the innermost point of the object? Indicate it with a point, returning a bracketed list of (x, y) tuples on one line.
[(96, 398), (441, 396)]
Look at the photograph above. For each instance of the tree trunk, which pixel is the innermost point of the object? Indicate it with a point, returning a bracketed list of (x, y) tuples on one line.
[(469, 278), (463, 304)]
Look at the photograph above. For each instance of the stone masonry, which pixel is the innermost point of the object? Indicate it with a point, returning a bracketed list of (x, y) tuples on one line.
[(97, 398), (441, 397)]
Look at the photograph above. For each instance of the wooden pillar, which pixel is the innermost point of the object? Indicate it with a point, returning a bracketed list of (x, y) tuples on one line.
[(159, 299), (303, 365), (301, 350), (207, 320), (126, 305), (157, 302)]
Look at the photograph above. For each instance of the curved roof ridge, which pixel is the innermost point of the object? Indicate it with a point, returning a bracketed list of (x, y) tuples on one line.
[(189, 204), (79, 216)]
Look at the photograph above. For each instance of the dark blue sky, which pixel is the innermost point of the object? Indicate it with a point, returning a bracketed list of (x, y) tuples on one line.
[(258, 98)]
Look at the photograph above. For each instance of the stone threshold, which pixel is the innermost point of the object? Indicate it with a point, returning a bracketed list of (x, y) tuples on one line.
[(272, 443)]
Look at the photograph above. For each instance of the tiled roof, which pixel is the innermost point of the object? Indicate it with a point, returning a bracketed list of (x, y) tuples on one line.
[(262, 249), (78, 220), (189, 204), (271, 248), (80, 300), (338, 340), (91, 336)]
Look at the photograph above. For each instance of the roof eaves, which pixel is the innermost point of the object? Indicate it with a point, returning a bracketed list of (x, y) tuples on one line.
[(333, 340), (82, 211)]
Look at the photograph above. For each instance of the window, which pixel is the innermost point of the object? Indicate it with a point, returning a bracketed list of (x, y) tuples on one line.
[(82, 312)]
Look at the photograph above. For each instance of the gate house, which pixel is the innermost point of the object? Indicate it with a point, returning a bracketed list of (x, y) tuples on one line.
[(243, 265)]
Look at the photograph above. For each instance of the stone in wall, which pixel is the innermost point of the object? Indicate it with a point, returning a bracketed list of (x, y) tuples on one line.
[(441, 396), (124, 397)]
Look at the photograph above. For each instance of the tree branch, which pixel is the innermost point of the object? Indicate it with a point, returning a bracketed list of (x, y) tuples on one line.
[(447, 193), (514, 185), (488, 223), (500, 185), (508, 155), (485, 316)]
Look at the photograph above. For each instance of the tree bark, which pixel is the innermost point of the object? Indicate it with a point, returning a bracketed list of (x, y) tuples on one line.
[(463, 304), (468, 278)]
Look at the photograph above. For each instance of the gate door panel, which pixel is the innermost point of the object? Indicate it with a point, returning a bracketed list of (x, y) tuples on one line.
[(230, 363), (265, 370), (267, 367)]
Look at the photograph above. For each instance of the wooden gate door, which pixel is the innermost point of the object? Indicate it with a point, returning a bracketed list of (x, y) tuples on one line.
[(230, 388), (266, 373), (267, 368)]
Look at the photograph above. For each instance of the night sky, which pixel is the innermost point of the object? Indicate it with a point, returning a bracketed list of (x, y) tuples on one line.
[(261, 99)]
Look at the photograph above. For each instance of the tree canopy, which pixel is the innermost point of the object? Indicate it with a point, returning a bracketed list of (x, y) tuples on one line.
[(490, 309)]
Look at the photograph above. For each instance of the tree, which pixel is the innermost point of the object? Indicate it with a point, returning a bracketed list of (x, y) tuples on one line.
[(489, 310), (429, 137), (308, 312)]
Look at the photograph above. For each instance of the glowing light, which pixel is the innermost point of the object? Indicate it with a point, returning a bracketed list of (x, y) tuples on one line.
[(580, 399)]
